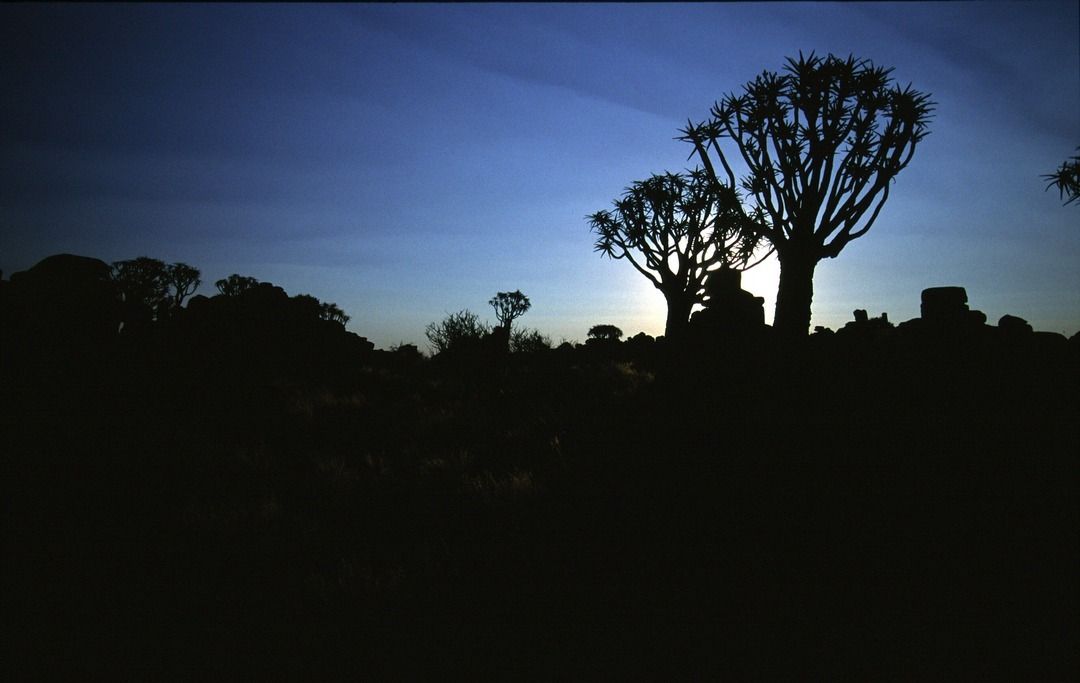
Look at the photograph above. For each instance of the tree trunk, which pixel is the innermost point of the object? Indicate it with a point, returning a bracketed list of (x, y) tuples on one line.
[(678, 314), (795, 294)]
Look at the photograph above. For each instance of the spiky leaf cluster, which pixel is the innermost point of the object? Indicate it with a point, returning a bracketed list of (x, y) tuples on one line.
[(235, 284), (821, 141), (676, 227), (1067, 180), (509, 306), (154, 283)]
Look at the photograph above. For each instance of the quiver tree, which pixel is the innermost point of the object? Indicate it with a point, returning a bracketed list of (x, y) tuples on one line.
[(674, 229), (235, 284), (509, 306), (1066, 179), (182, 280), (333, 313), (143, 282), (821, 142), (157, 287), (605, 333)]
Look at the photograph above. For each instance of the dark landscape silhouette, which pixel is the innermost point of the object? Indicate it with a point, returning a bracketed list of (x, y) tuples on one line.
[(227, 486), (244, 485)]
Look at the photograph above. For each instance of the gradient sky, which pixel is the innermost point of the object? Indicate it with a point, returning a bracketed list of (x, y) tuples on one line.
[(406, 161)]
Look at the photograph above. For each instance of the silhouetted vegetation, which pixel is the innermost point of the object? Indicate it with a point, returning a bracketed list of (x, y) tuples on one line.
[(239, 487), (675, 229), (525, 340), (235, 284), (455, 331), (822, 140), (244, 487), (1066, 179), (154, 287), (605, 333), (509, 306)]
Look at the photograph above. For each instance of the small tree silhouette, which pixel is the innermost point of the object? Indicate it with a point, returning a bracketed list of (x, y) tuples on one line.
[(822, 141), (331, 312), (143, 281), (1067, 180), (605, 333), (509, 306), (183, 280), (235, 285), (159, 287), (675, 228)]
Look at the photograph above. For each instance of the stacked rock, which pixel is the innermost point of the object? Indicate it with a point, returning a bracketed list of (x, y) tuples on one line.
[(947, 306), (728, 306)]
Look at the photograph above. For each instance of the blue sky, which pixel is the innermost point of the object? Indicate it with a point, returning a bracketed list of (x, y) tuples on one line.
[(406, 161)]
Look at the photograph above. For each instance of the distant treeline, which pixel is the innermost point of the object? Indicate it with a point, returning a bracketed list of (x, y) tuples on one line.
[(69, 310)]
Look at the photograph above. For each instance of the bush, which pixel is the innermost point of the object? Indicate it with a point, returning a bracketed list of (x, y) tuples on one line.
[(463, 328), (526, 340)]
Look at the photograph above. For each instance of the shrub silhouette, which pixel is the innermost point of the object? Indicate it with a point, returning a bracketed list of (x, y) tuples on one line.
[(823, 140), (525, 340), (456, 331), (674, 229)]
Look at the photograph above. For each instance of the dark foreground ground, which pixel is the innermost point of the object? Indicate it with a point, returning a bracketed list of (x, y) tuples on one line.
[(831, 511)]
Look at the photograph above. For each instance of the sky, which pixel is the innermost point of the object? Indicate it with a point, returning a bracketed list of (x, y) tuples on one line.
[(406, 161)]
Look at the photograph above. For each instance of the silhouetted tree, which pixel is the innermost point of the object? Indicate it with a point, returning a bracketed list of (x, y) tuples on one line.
[(1067, 180), (235, 285), (332, 313), (144, 282), (509, 306), (183, 280), (528, 341), (605, 333), (456, 330), (155, 285), (822, 142), (674, 228)]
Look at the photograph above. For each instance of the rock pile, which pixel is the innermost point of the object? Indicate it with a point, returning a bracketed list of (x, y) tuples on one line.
[(729, 307)]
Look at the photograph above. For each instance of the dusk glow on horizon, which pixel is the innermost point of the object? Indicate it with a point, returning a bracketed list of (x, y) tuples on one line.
[(406, 160)]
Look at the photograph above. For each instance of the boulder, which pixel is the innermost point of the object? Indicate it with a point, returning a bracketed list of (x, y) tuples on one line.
[(944, 303), (729, 307), (1012, 325)]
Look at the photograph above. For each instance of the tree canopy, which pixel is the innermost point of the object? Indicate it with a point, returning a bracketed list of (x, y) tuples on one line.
[(821, 143), (605, 333), (675, 228), (330, 311), (509, 306), (1067, 179), (183, 280), (235, 284), (152, 283)]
